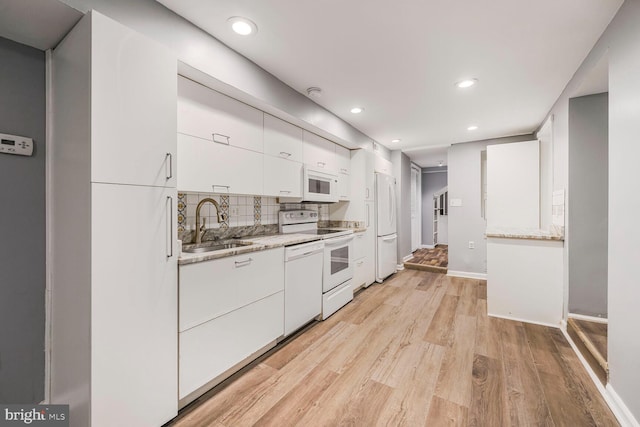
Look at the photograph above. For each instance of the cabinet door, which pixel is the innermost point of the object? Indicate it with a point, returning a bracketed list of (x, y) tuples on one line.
[(343, 160), (210, 289), (210, 115), (359, 249), (344, 186), (282, 139), (208, 350), (133, 107), (318, 152), (209, 167), (282, 178), (134, 308), (359, 273), (383, 165)]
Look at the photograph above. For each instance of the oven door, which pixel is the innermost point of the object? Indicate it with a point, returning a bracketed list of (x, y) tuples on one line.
[(319, 186), (338, 262)]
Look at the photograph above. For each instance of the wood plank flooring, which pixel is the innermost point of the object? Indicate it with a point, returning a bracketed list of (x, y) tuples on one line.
[(434, 260), (417, 350)]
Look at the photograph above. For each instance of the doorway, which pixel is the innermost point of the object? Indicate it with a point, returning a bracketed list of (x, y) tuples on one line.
[(416, 211)]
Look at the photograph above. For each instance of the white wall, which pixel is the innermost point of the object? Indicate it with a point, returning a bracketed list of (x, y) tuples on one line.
[(224, 69), (466, 222), (621, 40)]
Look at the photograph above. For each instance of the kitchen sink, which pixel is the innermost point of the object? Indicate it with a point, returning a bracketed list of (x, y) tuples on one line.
[(213, 246)]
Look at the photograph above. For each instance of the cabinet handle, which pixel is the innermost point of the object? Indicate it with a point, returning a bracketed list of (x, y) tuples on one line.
[(321, 164), (343, 170), (285, 191), (224, 136), (213, 187), (170, 239), (243, 263), (285, 154), (367, 192), (359, 262), (169, 162)]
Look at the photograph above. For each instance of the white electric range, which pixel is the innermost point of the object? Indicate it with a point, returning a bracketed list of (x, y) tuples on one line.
[(337, 272)]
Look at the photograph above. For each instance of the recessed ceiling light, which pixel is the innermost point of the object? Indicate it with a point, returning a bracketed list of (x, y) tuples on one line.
[(440, 162), (395, 140), (463, 84), (314, 92), (242, 26), (357, 110), (474, 127)]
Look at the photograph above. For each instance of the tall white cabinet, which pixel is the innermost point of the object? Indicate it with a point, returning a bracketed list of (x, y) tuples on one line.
[(113, 231)]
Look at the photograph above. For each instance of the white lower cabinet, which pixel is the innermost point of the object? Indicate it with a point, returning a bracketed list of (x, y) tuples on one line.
[(282, 177), (230, 308), (209, 350), (209, 167)]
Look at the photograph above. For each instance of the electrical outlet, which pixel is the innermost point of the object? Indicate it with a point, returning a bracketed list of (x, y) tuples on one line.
[(472, 245)]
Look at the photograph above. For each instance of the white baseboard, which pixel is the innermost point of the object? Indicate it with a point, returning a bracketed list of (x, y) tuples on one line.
[(516, 319), (617, 406), (427, 246), (467, 275), (407, 258), (588, 318), (620, 410), (400, 267)]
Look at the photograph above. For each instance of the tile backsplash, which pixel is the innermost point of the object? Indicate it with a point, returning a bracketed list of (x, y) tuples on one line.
[(239, 211)]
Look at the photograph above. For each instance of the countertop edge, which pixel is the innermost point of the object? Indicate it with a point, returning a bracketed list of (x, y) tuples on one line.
[(525, 236)]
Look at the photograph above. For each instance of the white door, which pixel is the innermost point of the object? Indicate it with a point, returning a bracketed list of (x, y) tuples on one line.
[(387, 256), (416, 208), (386, 204), (134, 308)]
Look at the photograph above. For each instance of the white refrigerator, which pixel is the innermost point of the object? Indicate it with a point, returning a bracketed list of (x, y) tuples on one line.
[(386, 237)]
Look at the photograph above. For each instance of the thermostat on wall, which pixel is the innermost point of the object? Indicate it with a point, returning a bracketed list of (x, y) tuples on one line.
[(13, 144)]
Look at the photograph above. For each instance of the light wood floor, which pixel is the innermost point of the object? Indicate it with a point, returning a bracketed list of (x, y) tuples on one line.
[(416, 350), (597, 334)]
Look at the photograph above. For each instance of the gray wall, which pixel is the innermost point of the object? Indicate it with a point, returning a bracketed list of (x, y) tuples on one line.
[(402, 172), (433, 179), (22, 226), (466, 222), (588, 210)]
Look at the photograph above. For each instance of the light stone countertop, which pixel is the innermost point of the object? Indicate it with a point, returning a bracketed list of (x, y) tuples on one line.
[(254, 244), (523, 233)]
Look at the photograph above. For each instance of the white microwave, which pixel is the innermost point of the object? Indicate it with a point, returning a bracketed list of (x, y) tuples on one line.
[(318, 186)]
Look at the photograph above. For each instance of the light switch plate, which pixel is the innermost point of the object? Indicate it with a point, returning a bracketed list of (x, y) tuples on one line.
[(455, 202), (13, 144)]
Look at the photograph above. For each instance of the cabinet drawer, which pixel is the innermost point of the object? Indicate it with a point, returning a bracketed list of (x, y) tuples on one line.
[(282, 139), (210, 115), (212, 348), (212, 288), (209, 167)]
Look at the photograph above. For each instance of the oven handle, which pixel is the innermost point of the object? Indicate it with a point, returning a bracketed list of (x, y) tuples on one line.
[(338, 241)]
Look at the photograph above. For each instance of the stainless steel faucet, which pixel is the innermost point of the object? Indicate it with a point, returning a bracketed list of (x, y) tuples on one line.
[(201, 230)]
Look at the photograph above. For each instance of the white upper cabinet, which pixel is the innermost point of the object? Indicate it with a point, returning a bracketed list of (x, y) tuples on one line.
[(282, 178), (343, 160), (218, 168), (282, 139), (210, 115), (319, 152), (133, 107), (343, 166), (383, 165)]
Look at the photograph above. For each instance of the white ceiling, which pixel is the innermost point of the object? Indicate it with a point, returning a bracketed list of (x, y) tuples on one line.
[(399, 60), (428, 157), (36, 23)]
